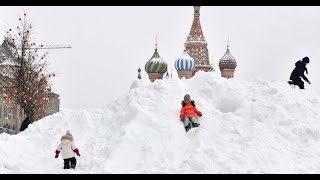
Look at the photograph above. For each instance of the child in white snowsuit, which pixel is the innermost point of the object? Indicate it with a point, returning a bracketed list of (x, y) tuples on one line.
[(68, 150)]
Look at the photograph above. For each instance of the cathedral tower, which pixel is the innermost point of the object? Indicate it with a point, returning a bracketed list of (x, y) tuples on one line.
[(196, 44)]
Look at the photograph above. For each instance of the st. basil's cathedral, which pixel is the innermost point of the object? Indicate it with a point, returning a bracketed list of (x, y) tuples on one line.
[(195, 57)]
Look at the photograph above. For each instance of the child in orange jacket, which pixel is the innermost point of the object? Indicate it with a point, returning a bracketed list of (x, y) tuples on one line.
[(188, 113)]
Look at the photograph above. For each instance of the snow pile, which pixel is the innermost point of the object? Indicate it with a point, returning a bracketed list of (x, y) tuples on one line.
[(247, 127)]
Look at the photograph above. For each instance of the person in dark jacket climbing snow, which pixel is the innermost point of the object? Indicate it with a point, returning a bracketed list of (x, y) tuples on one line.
[(25, 124), (299, 72)]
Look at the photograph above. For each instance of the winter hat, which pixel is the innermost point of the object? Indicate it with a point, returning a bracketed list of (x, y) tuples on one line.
[(186, 98), (305, 60), (68, 133)]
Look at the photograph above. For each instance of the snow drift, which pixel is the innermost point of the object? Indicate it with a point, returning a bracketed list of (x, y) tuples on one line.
[(247, 127)]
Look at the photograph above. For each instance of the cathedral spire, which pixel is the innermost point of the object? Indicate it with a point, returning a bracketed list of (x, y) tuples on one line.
[(196, 30), (197, 45), (139, 73), (196, 11)]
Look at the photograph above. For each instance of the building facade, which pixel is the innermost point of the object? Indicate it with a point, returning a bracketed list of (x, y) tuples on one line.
[(11, 116), (54, 104)]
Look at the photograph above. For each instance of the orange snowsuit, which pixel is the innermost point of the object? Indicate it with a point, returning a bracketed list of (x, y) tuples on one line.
[(188, 111)]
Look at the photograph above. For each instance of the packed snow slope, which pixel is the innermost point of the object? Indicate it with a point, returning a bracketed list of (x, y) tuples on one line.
[(252, 126)]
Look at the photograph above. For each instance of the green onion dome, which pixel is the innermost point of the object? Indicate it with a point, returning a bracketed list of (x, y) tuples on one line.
[(156, 64)]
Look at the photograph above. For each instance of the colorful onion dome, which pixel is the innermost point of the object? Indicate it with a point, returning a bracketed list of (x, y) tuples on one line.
[(185, 62), (227, 61), (156, 64)]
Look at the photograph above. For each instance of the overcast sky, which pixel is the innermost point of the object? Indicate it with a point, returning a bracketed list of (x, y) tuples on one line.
[(109, 43)]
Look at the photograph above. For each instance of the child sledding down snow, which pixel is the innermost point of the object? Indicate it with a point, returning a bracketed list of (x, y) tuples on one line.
[(68, 148), (188, 113)]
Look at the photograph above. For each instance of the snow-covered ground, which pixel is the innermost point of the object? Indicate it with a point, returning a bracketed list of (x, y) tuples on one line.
[(251, 126)]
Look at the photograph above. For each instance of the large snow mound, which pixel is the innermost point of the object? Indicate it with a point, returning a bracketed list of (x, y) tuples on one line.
[(248, 126)]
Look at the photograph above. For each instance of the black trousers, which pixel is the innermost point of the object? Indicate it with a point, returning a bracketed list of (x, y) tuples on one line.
[(71, 161), (299, 83)]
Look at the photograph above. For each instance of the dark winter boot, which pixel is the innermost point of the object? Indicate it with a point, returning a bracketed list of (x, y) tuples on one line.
[(73, 162), (188, 128), (66, 164), (196, 125)]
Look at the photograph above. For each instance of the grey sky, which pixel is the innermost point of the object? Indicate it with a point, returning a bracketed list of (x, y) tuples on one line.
[(109, 43)]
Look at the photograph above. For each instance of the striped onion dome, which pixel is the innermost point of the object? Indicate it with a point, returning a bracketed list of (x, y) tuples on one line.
[(227, 61), (156, 64), (185, 62)]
